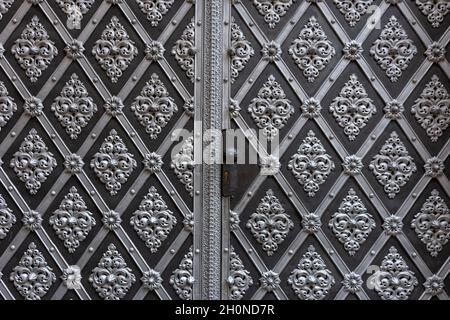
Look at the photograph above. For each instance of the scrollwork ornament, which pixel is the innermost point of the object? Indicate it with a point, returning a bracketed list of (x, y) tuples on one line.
[(393, 166), (182, 279), (183, 164), (154, 107), (75, 10), (311, 165), (271, 110), (273, 10), (184, 50), (239, 279), (393, 50), (270, 224), (33, 163), (7, 218), (112, 278), (352, 223), (435, 10), (432, 223), (311, 280), (153, 221), (72, 221), (113, 164), (34, 51), (353, 10), (7, 105), (114, 51), (312, 51), (33, 277), (155, 9), (240, 52)]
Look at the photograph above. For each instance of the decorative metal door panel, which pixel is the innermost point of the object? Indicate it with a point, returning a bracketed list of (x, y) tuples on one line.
[(355, 204)]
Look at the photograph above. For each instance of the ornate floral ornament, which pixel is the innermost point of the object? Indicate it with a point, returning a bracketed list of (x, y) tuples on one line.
[(352, 282), (74, 50), (352, 165), (434, 167), (111, 220), (155, 9), (432, 223), (5, 5), (114, 51), (271, 51), (352, 223), (74, 108), (34, 51), (393, 51), (273, 10), (32, 220), (353, 10), (270, 280), (312, 51), (393, 166), (311, 280), (32, 277), (154, 50), (113, 164), (153, 162), (7, 105), (189, 107), (182, 279), (33, 163), (7, 218), (353, 50), (112, 278), (396, 281), (234, 108), (271, 110), (392, 225), (188, 221), (75, 10), (154, 107), (71, 277), (33, 106), (183, 164), (311, 223), (432, 109), (240, 52), (239, 279), (234, 220), (270, 224), (435, 10), (114, 106), (184, 50), (270, 165), (153, 221), (393, 110), (72, 221), (434, 285), (152, 280), (311, 165), (353, 108), (311, 108), (435, 52), (73, 163)]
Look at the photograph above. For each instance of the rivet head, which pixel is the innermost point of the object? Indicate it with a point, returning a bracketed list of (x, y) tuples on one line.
[(197, 251), (225, 250), (13, 247), (13, 134), (91, 249), (52, 249), (132, 191), (249, 194), (92, 192), (291, 252), (53, 193), (172, 251), (131, 249), (93, 136), (372, 252), (174, 22), (414, 254)]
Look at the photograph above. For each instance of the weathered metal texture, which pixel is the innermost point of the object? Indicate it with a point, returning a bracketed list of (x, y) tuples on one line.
[(340, 208)]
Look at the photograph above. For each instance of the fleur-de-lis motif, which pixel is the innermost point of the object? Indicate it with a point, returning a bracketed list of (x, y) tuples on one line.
[(241, 51), (239, 279), (312, 51), (352, 223), (182, 279), (154, 107), (75, 10), (184, 50), (33, 277), (112, 278), (5, 5), (33, 163), (353, 10), (395, 280), (73, 107), (432, 223), (393, 51), (115, 50), (311, 165), (271, 110), (34, 51), (311, 280), (72, 221), (155, 9), (273, 10), (353, 108), (153, 221), (393, 166), (7, 218), (432, 109), (7, 105), (183, 164), (270, 224), (113, 164), (435, 10)]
